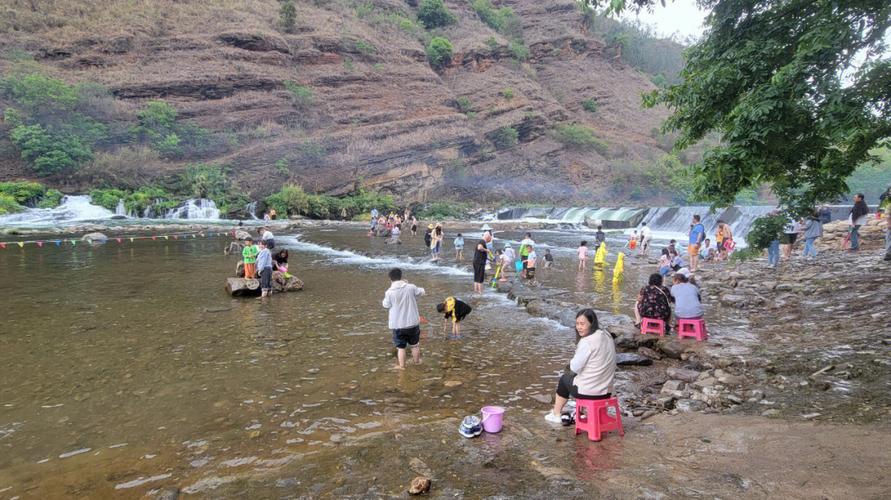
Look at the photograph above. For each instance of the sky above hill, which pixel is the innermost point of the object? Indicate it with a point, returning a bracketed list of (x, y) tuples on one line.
[(679, 17)]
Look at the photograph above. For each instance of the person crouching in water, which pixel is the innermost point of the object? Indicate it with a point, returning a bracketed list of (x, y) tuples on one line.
[(264, 266), (453, 309), (592, 370)]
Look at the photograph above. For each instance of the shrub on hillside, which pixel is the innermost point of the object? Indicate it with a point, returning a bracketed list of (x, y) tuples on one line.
[(434, 14), (157, 124), (8, 205), (287, 16), (502, 20), (290, 200), (464, 104), (519, 50), (301, 95), (439, 52), (126, 168), (589, 105), (577, 136), (23, 192), (504, 137), (443, 210)]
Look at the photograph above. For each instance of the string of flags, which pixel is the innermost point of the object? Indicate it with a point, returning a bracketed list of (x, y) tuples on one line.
[(119, 239)]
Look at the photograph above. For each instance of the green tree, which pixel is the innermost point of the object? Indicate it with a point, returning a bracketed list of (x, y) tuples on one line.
[(798, 91), (434, 14), (439, 52), (287, 16)]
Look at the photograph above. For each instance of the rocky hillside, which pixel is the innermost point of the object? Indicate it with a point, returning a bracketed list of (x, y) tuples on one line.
[(548, 112)]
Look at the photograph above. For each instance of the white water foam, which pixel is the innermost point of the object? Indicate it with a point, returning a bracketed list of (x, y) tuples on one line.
[(72, 209), (346, 257)]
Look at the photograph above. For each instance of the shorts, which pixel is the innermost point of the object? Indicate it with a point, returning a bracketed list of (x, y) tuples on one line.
[(410, 336), (479, 272), (693, 250), (530, 273), (788, 238), (266, 278), (565, 389)]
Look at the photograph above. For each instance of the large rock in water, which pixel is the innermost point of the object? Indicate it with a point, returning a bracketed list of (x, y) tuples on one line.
[(241, 234), (241, 287), (94, 238)]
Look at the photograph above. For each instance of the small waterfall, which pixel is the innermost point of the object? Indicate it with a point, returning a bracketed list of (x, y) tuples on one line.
[(609, 217), (676, 220), (72, 209), (251, 209), (195, 209), (121, 209)]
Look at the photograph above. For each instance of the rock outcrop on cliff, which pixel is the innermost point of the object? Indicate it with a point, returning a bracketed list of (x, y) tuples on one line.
[(378, 113)]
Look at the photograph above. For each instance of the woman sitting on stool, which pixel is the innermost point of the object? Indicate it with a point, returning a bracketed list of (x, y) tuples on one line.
[(592, 369)]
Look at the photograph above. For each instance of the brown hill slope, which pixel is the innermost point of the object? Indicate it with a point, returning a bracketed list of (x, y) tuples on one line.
[(378, 114)]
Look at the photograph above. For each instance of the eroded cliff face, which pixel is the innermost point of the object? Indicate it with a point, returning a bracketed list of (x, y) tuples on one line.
[(379, 114)]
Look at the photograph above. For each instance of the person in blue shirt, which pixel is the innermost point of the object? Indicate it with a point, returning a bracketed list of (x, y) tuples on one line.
[(264, 268), (697, 234)]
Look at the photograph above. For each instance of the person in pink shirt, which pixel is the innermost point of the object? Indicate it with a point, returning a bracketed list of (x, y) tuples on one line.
[(583, 255)]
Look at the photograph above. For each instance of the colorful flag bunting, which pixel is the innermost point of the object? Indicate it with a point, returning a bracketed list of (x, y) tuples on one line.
[(40, 243), (21, 244)]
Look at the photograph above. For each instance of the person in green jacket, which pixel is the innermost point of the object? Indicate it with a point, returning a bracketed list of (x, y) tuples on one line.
[(250, 258)]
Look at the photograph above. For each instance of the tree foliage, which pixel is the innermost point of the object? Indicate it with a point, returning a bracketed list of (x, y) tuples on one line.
[(799, 91), (439, 52), (434, 14)]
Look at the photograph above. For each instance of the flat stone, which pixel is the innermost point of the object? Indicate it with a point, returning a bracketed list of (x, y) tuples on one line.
[(689, 405), (646, 351), (632, 359), (673, 385), (683, 374), (706, 382), (671, 347)]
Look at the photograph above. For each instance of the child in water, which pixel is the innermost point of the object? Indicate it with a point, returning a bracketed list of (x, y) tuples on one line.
[(548, 258), (583, 255), (453, 309), (249, 255), (530, 263), (459, 247)]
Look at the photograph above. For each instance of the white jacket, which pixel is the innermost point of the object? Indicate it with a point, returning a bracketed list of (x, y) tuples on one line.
[(401, 300), (595, 364)]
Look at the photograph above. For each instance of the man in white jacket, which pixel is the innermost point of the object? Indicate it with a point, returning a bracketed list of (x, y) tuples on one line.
[(404, 322)]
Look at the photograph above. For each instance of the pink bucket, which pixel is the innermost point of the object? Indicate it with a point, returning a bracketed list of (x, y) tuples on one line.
[(492, 416)]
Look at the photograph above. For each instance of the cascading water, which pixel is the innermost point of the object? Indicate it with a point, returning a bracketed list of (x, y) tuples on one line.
[(195, 209), (72, 209), (120, 210), (675, 221), (251, 209)]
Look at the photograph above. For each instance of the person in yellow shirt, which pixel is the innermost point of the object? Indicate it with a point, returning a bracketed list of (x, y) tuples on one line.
[(453, 309)]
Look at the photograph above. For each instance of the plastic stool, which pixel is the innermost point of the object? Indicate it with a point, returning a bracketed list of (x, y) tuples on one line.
[(597, 420), (694, 328), (652, 325)]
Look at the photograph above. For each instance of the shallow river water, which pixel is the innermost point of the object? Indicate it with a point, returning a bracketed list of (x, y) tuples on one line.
[(126, 367)]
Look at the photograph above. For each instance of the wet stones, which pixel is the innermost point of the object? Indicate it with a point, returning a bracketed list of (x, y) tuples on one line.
[(683, 374), (419, 485), (670, 347), (632, 359)]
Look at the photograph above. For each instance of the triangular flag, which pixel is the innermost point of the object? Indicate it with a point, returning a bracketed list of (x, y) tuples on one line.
[(40, 243), (193, 236), (118, 240), (21, 244), (131, 240), (58, 243), (202, 234), (154, 238), (176, 237), (2, 245), (73, 242), (166, 237)]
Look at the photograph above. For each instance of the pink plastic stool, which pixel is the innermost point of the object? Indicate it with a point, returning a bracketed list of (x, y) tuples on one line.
[(597, 420), (652, 325), (694, 328)]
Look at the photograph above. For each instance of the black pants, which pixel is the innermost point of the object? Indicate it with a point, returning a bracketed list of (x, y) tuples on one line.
[(565, 389), (266, 278)]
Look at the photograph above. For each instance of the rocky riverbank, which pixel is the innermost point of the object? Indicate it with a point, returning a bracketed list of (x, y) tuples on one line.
[(807, 341)]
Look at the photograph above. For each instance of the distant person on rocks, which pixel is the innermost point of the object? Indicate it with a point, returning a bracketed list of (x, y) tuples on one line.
[(525, 247), (705, 253), (548, 258), (790, 236), (249, 256), (583, 255), (414, 226), (599, 236), (267, 237), (664, 262), (480, 257), (531, 259), (672, 249), (727, 243), (374, 214), (509, 257), (645, 237), (592, 370), (401, 299), (888, 232), (688, 303), (811, 230), (632, 241), (436, 238), (455, 310), (697, 236), (859, 217), (459, 247), (264, 267), (272, 213), (653, 301)]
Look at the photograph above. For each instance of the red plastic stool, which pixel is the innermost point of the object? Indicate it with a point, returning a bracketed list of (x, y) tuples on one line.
[(694, 328), (597, 420), (652, 325)]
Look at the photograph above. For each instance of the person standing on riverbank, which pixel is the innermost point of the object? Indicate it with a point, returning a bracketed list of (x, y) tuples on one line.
[(264, 267), (414, 226), (401, 301), (480, 257), (436, 242), (859, 216), (790, 235), (249, 256), (812, 230), (697, 235)]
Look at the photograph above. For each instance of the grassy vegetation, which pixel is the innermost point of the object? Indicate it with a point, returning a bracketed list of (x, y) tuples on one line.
[(577, 136), (439, 52), (301, 95), (464, 104), (502, 20), (589, 105), (439, 210), (505, 137), (293, 200)]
